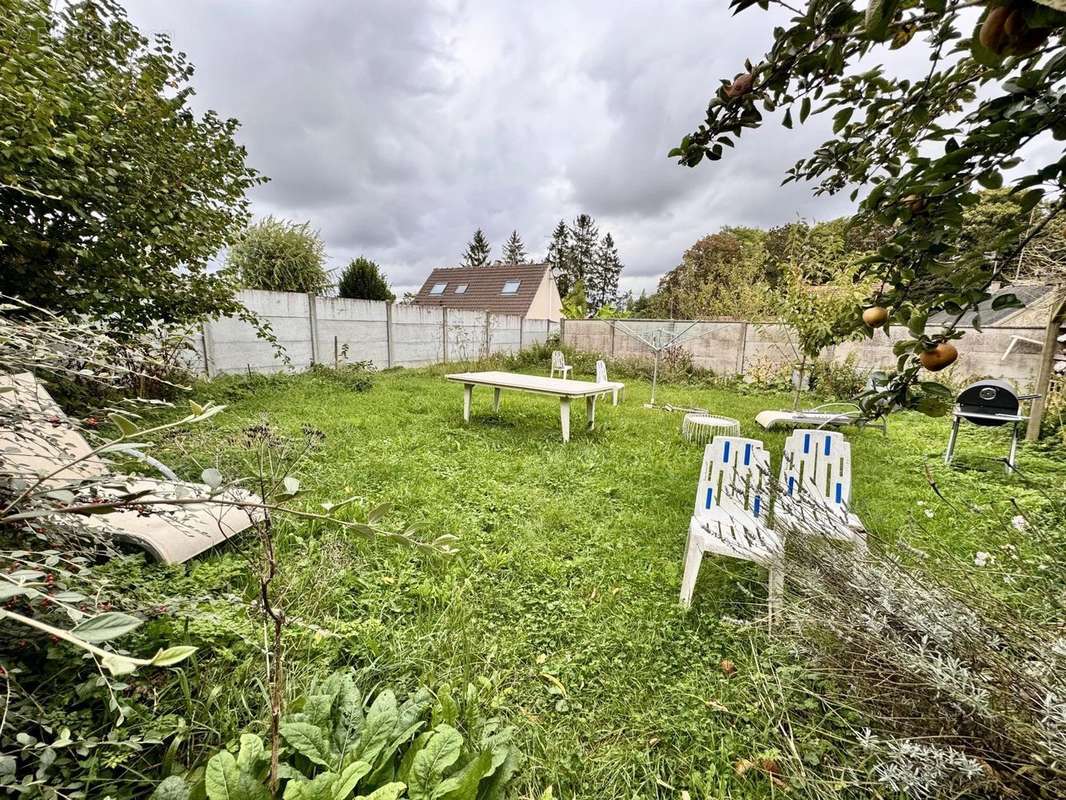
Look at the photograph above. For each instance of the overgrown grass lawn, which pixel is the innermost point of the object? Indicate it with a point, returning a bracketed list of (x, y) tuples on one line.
[(564, 594)]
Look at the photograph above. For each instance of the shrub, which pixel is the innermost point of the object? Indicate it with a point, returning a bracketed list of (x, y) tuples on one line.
[(769, 375), (339, 742), (357, 376), (958, 670), (279, 256), (840, 381), (362, 280), (117, 196)]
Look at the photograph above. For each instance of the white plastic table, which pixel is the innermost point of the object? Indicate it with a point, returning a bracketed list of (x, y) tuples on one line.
[(565, 389)]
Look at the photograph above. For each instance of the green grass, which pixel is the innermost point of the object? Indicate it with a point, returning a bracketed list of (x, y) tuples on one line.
[(564, 594)]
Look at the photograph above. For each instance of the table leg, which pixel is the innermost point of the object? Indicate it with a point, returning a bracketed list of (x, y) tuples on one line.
[(495, 401), (590, 410), (468, 390), (564, 416)]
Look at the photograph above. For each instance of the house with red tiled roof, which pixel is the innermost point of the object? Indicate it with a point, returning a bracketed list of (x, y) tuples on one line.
[(525, 290)]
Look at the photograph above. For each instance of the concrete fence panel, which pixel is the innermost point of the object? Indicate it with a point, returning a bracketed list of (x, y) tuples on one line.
[(326, 330), (731, 348)]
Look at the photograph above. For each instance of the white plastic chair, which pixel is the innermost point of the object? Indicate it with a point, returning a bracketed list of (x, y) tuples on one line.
[(559, 365), (815, 487), (615, 388), (729, 518)]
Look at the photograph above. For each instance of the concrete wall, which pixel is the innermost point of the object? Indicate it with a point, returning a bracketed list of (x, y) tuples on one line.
[(327, 329), (732, 348)]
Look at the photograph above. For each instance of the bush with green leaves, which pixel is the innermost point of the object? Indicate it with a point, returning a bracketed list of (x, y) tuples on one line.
[(114, 195), (340, 743), (362, 280), (280, 256)]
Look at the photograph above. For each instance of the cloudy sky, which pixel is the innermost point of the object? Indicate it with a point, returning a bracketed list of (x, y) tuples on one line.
[(397, 127)]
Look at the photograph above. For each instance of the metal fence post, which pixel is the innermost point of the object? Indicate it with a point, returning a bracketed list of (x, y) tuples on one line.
[(488, 334), (612, 337), (742, 350)]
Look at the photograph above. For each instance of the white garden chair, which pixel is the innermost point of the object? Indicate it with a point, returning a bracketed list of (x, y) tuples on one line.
[(613, 387), (731, 507), (815, 487), (559, 365)]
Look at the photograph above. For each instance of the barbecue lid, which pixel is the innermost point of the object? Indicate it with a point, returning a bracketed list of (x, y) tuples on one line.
[(988, 397)]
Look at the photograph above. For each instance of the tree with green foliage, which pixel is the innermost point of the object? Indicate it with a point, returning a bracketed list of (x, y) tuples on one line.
[(477, 251), (280, 256), (362, 280), (558, 257), (602, 281), (920, 150), (721, 275), (514, 252), (114, 195), (575, 303), (581, 255)]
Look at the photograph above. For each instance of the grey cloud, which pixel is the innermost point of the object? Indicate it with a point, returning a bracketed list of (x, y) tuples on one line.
[(397, 127)]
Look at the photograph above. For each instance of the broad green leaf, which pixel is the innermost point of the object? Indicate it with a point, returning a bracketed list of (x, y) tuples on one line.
[(127, 426), (172, 788), (390, 791), (222, 778), (441, 751), (118, 665), (348, 779), (378, 727), (104, 627), (463, 784), (251, 751), (493, 787), (320, 788), (309, 741), (172, 655)]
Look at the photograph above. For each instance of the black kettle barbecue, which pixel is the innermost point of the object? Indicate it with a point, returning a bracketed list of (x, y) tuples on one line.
[(989, 403)]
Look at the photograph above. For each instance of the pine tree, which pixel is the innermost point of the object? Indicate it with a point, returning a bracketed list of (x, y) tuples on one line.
[(584, 237), (477, 252), (602, 278), (514, 252), (558, 257)]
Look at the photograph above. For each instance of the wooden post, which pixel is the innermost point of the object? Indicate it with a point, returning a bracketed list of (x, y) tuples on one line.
[(205, 338), (312, 318), (1047, 365), (388, 335)]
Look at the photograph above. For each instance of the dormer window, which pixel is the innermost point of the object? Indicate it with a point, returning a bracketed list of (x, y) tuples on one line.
[(461, 288), (438, 288), (511, 287)]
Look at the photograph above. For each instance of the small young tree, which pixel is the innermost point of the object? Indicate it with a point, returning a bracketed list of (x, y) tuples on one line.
[(477, 251), (575, 304), (279, 256), (602, 281), (362, 280), (514, 252), (558, 257)]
